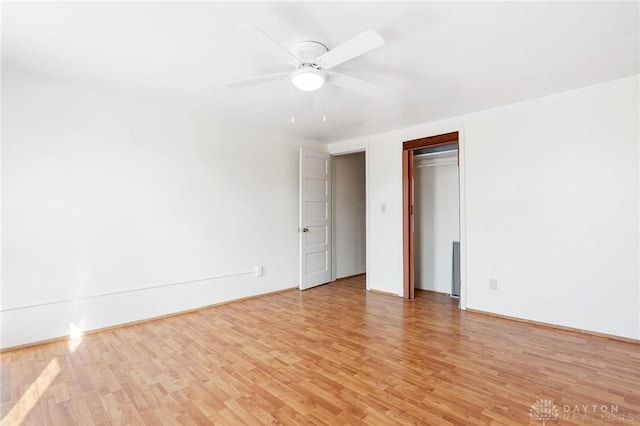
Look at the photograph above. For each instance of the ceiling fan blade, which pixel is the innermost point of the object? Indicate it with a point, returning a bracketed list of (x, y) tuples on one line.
[(255, 80), (359, 45), (283, 47), (356, 85)]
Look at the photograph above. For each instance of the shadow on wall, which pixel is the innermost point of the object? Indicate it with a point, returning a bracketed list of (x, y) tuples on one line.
[(424, 216), (437, 221)]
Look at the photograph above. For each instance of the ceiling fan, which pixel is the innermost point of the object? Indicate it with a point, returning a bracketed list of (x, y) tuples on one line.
[(312, 59)]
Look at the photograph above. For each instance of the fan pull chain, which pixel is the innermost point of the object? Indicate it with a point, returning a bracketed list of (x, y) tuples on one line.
[(293, 115), (324, 106)]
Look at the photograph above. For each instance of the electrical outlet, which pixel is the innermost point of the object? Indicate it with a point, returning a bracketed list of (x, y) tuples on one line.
[(493, 284), (258, 271)]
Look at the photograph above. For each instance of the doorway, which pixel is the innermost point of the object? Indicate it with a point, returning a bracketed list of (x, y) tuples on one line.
[(411, 149), (333, 217), (349, 215)]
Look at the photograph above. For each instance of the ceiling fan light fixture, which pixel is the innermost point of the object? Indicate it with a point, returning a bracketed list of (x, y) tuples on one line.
[(308, 78)]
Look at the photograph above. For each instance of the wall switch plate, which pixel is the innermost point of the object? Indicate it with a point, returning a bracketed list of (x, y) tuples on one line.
[(383, 208), (493, 284), (258, 271)]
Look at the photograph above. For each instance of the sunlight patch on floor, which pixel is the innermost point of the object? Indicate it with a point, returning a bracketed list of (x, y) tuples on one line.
[(32, 395)]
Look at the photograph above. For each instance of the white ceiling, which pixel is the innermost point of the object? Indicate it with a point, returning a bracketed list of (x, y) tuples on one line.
[(440, 59)]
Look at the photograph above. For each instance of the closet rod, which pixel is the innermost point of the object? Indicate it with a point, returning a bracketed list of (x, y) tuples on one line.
[(436, 164), (429, 154)]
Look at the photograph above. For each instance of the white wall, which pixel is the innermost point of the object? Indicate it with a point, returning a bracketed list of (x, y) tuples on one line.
[(437, 218), (349, 214), (549, 202), (104, 194)]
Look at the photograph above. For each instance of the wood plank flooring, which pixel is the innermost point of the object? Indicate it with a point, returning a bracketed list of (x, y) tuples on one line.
[(330, 355)]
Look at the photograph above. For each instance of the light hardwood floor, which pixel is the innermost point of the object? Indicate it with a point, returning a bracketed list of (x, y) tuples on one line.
[(330, 355)]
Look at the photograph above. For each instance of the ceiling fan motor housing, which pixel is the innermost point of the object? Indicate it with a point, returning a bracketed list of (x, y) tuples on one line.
[(309, 51), (308, 77)]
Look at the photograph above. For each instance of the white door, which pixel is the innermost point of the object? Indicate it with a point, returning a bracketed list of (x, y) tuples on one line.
[(315, 218)]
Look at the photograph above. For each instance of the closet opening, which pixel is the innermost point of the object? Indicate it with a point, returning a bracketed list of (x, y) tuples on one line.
[(431, 215)]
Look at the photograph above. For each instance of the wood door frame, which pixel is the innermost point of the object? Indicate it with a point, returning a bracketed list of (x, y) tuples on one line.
[(408, 198)]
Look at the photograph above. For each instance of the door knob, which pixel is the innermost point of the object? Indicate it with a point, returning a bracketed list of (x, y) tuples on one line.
[(305, 229)]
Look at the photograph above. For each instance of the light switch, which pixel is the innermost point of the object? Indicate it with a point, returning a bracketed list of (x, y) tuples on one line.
[(383, 208)]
